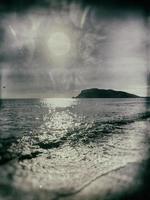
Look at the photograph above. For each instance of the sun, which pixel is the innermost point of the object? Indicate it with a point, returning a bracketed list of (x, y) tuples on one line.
[(59, 44)]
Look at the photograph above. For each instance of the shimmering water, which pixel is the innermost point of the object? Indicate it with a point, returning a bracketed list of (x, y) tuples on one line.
[(64, 144)]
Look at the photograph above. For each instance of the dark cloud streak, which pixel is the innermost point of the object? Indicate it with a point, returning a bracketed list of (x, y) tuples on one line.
[(21, 5)]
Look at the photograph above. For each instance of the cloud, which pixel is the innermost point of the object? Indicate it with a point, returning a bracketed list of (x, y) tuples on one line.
[(106, 50), (21, 5)]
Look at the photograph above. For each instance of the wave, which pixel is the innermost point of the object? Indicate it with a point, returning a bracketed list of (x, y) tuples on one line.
[(91, 132), (12, 147)]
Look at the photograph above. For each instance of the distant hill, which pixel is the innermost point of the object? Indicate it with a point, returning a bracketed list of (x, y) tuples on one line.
[(101, 93)]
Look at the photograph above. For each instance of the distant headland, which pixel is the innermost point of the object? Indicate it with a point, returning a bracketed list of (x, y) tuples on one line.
[(102, 93)]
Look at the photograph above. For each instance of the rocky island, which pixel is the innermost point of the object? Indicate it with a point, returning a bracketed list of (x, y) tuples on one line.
[(102, 93)]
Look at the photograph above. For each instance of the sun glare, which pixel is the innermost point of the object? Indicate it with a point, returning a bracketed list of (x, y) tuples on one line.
[(59, 44)]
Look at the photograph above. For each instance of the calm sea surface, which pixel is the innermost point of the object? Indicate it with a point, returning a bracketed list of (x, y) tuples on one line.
[(50, 144)]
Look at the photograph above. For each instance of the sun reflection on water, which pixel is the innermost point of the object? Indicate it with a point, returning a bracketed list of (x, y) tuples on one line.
[(58, 120), (59, 102)]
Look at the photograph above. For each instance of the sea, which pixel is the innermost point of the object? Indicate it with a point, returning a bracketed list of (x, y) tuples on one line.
[(53, 148)]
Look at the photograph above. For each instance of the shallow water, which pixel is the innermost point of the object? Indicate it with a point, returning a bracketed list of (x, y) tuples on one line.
[(64, 144)]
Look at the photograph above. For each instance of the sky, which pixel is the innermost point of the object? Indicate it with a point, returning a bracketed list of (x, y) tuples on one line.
[(61, 48)]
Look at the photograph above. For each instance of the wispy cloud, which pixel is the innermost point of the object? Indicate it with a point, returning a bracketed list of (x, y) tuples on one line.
[(106, 50)]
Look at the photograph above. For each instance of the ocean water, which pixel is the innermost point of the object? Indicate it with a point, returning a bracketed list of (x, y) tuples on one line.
[(64, 145)]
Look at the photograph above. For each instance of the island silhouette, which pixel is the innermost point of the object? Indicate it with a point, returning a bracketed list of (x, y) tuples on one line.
[(103, 93)]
